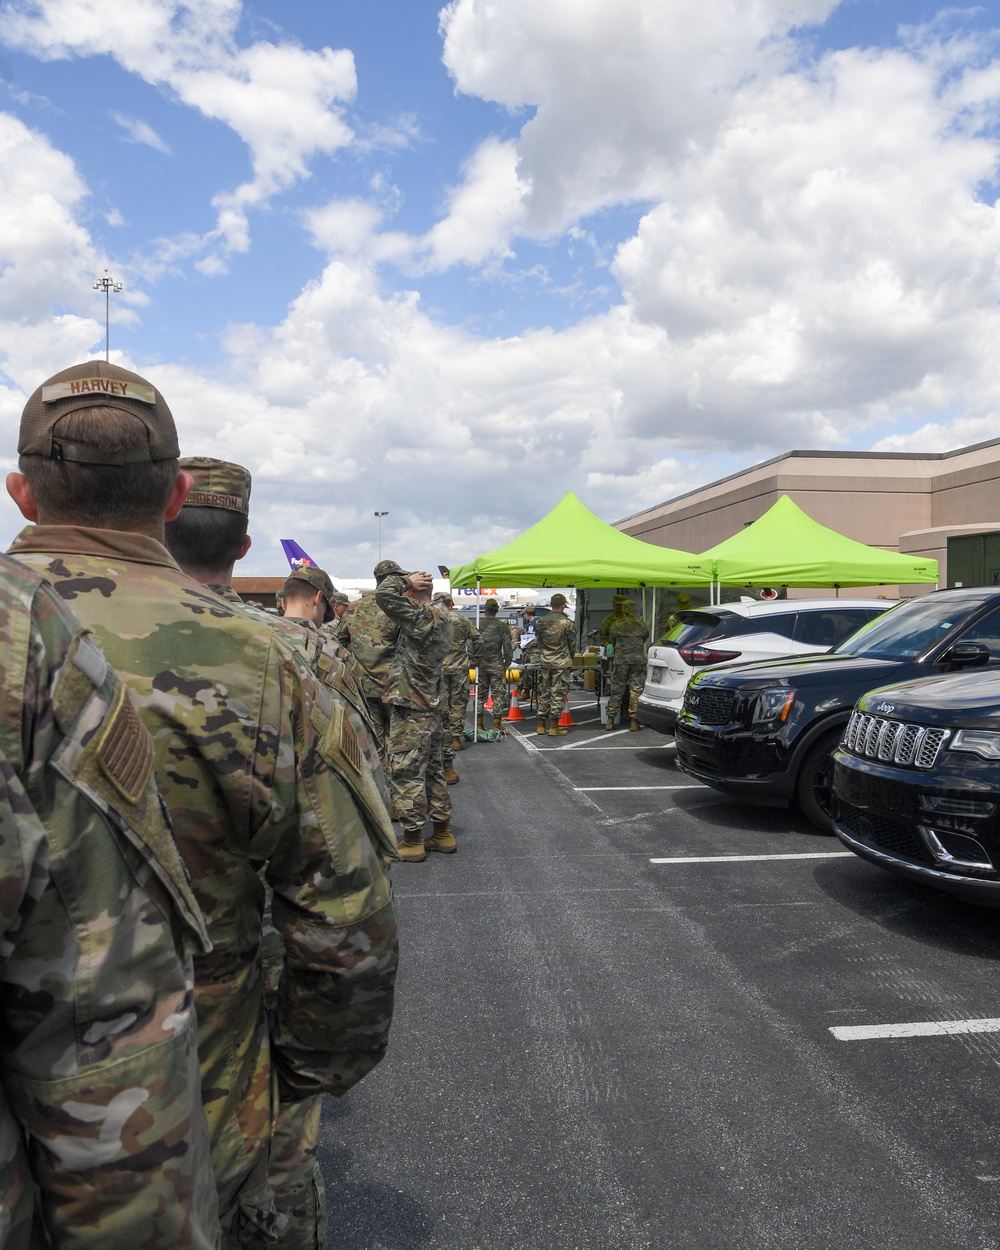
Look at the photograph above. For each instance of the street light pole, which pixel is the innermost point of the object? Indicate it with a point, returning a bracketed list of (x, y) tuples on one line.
[(380, 515), (107, 285)]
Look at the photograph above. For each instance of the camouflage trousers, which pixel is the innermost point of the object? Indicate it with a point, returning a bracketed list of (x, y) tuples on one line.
[(455, 704), (493, 680), (296, 1182), (553, 686), (416, 768), (626, 675), (295, 1175)]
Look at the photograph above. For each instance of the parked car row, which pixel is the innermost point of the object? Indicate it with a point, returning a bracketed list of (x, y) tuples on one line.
[(891, 739)]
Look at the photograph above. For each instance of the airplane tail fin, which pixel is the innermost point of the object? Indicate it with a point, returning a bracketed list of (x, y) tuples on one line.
[(297, 558)]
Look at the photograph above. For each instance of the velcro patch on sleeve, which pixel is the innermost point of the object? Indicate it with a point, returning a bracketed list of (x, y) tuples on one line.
[(350, 746), (125, 752)]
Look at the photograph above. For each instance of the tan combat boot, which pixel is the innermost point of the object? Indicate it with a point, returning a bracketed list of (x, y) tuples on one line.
[(497, 723), (412, 848), (451, 776), (633, 725), (457, 744), (392, 812), (540, 727), (610, 724), (479, 721), (442, 839), (554, 730)]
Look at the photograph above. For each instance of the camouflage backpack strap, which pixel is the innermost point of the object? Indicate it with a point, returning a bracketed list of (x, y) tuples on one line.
[(341, 748), (107, 754)]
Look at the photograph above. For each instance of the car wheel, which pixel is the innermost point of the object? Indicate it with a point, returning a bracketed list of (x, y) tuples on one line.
[(813, 789)]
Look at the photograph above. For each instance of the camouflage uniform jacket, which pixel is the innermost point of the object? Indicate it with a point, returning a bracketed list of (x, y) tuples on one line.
[(336, 630), (371, 638), (415, 676), (628, 636), (100, 1102), (328, 661), (495, 646), (556, 636), (604, 633), (464, 651), (259, 764)]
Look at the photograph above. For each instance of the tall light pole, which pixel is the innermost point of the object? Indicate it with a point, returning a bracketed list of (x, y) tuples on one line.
[(379, 516), (107, 284)]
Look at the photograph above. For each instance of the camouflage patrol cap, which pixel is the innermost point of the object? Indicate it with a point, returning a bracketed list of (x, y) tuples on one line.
[(558, 601), (91, 384), (319, 580), (385, 567), (442, 596), (338, 596), (217, 484)]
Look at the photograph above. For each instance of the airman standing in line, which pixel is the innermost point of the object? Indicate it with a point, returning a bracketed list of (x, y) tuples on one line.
[(462, 656), (258, 764), (630, 639), (556, 636), (371, 637), (495, 652), (413, 695), (103, 1139), (333, 629), (617, 611), (207, 537)]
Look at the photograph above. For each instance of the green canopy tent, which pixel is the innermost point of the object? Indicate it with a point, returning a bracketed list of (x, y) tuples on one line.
[(570, 546), (786, 547)]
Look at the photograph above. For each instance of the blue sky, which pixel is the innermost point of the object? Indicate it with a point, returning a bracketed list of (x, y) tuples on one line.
[(470, 258)]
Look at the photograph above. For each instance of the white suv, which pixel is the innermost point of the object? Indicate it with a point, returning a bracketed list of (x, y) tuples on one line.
[(739, 632)]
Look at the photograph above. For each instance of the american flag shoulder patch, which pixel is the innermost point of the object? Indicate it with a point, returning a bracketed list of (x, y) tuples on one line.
[(125, 751), (350, 747)]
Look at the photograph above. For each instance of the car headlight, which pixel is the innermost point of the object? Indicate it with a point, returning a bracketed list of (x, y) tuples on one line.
[(773, 705), (982, 742)]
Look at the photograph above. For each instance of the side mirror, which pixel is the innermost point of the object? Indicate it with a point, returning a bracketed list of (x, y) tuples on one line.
[(967, 654)]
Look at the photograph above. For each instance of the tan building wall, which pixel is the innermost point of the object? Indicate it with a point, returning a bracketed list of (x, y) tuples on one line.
[(900, 502)]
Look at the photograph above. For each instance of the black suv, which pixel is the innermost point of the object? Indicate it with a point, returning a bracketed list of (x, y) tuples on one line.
[(916, 784), (766, 732)]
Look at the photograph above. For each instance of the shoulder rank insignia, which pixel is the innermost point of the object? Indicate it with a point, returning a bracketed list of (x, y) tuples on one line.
[(125, 751)]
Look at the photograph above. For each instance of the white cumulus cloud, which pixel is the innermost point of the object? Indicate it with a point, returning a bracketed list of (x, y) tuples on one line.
[(284, 101)]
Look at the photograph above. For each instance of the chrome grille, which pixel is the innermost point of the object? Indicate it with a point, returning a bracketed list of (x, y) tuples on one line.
[(878, 738), (930, 744)]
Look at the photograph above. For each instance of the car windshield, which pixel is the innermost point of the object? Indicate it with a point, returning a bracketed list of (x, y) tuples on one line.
[(908, 630)]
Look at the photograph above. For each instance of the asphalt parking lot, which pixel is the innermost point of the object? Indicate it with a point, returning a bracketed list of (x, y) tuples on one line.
[(615, 1028)]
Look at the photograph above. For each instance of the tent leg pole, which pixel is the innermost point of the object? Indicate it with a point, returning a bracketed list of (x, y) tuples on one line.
[(475, 688), (652, 631)]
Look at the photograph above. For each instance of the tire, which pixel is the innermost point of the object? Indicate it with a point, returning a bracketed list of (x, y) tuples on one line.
[(812, 788)]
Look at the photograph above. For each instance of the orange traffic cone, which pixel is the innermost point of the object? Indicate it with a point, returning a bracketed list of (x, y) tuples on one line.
[(488, 705), (566, 721), (515, 706)]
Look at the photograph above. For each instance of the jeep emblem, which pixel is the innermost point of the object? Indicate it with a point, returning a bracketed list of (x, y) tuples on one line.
[(886, 707)]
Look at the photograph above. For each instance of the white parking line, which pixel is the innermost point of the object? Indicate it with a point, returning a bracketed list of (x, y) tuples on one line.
[(746, 859), (924, 1028), (592, 789)]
